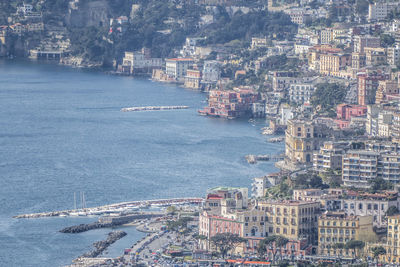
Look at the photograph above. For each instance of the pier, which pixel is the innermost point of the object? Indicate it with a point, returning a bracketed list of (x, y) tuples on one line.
[(114, 208), (153, 108), (252, 159)]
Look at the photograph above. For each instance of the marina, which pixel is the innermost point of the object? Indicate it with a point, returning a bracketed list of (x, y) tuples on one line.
[(114, 208), (153, 108)]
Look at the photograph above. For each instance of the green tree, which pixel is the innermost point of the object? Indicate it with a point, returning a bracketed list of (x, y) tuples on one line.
[(327, 96), (377, 251), (387, 40), (379, 184), (340, 247), (225, 242), (355, 245), (280, 242)]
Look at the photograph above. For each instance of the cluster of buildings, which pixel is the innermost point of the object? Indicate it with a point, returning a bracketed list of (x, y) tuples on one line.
[(314, 221)]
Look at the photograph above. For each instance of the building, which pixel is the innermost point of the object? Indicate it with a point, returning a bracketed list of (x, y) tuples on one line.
[(258, 42), (337, 227), (258, 187), (281, 80), (367, 204), (139, 62), (193, 79), (375, 56), (176, 67), (393, 236), (393, 55), (119, 24), (385, 89), (231, 103), (292, 219), (361, 42), (359, 167), (329, 156), (334, 64), (345, 113), (380, 9), (302, 139), (367, 85), (358, 60), (211, 71), (301, 93)]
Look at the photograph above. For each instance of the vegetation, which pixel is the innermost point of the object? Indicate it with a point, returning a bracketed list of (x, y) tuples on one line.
[(355, 245), (377, 251), (280, 191), (306, 181), (226, 242), (327, 96), (392, 210), (379, 184), (266, 243)]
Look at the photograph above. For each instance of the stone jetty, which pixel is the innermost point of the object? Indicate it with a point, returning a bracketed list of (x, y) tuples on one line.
[(153, 108), (100, 246)]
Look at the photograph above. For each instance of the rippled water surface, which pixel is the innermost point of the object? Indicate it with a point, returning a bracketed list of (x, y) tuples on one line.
[(62, 131)]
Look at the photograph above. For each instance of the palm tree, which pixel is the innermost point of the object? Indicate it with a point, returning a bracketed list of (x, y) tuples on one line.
[(355, 245)]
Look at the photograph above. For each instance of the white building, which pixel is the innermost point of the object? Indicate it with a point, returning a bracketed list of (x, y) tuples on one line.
[(258, 187), (177, 67), (301, 93), (139, 62), (380, 10), (211, 71), (393, 55)]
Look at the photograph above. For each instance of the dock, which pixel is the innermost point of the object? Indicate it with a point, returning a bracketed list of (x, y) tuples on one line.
[(114, 208), (153, 108), (252, 159)]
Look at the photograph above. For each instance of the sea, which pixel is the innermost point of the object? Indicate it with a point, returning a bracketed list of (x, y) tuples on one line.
[(62, 132)]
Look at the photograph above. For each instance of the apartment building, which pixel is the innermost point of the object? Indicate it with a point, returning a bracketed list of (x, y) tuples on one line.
[(375, 56), (337, 227), (359, 167), (367, 85), (301, 93), (385, 89), (393, 240), (193, 79), (176, 68), (292, 219), (334, 64), (380, 9), (361, 42), (140, 62), (329, 156)]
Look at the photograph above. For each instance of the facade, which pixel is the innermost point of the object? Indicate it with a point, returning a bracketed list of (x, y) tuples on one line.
[(366, 204), (259, 185), (193, 79), (230, 104), (336, 227), (292, 219), (329, 156), (301, 93), (393, 236), (375, 56), (211, 71), (385, 89), (302, 139), (139, 62), (393, 55), (367, 85), (361, 42), (359, 167), (334, 64), (176, 67), (380, 9)]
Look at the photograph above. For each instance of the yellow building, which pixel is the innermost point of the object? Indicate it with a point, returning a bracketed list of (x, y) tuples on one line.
[(291, 219), (337, 228), (333, 64), (393, 239)]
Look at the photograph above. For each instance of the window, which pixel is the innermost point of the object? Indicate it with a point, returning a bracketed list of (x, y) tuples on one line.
[(369, 206), (375, 206), (360, 206)]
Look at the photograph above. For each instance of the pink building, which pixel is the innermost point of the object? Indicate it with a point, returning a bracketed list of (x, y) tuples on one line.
[(344, 113)]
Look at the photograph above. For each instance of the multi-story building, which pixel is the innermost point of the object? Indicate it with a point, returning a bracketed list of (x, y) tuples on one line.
[(193, 79), (258, 42), (211, 71), (334, 64), (367, 86), (139, 62), (375, 56), (329, 157), (315, 53), (361, 42), (385, 89), (359, 167), (367, 204), (301, 93), (176, 67), (330, 199), (393, 242), (302, 139), (292, 219), (259, 185), (230, 104), (358, 60), (393, 55), (380, 9), (281, 80), (337, 227), (345, 112)]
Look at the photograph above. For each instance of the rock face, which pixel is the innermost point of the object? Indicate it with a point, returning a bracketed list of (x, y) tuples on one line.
[(100, 246), (85, 14)]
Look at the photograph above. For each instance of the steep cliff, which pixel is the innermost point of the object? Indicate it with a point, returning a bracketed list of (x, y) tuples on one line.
[(84, 13)]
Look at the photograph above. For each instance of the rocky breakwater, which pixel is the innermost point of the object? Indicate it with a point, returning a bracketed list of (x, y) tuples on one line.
[(86, 227), (100, 246)]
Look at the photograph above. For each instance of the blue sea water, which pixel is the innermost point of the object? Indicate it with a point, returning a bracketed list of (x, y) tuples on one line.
[(62, 131)]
